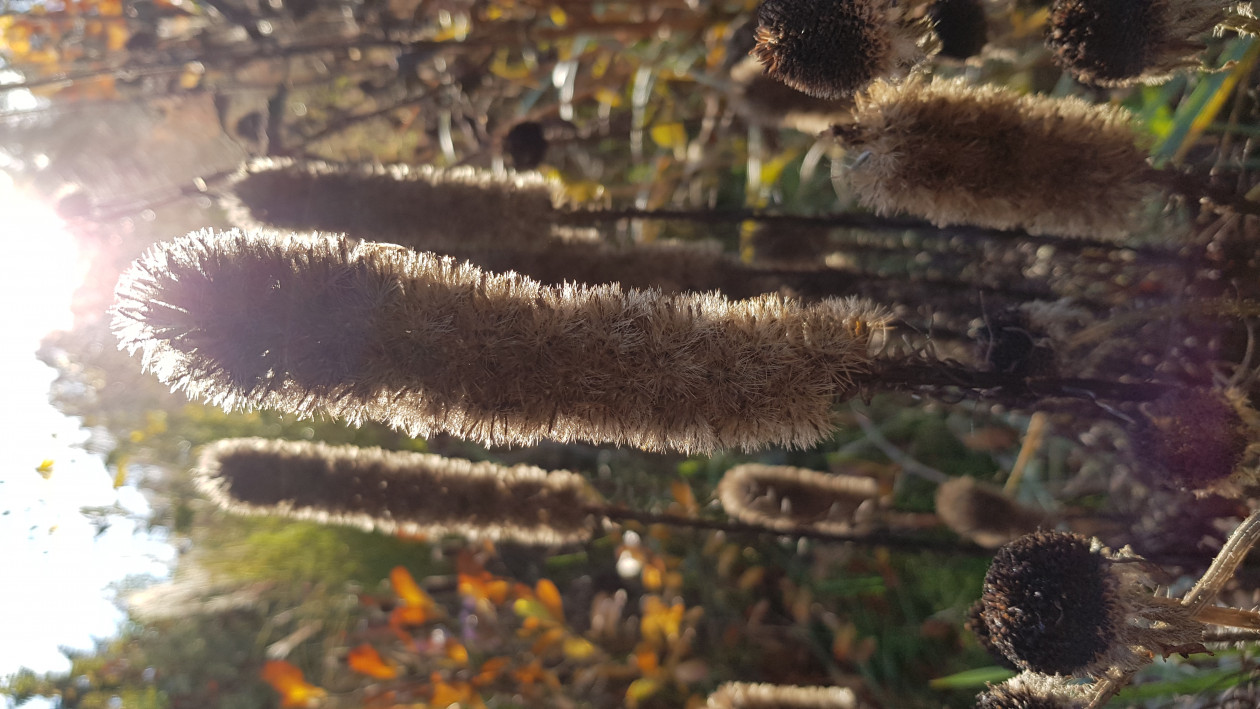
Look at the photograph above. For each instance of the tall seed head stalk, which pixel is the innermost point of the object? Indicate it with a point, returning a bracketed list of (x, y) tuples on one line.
[(318, 325), (432, 207), (833, 48), (985, 156), (413, 493), (1110, 43), (748, 695)]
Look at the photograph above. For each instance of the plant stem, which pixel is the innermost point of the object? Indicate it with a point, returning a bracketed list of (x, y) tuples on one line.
[(1224, 565)]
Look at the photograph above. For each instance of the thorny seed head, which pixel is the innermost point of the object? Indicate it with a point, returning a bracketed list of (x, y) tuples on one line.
[(1195, 439), (1062, 604), (1125, 42), (833, 48)]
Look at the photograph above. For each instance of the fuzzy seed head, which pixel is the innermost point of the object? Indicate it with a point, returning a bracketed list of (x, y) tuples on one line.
[(982, 513), (833, 48), (746, 695), (1120, 43), (986, 156), (412, 493), (980, 630), (315, 325), (783, 497), (429, 207), (1032, 691)]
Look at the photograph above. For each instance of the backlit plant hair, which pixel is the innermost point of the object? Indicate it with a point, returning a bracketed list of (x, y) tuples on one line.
[(748, 695), (1029, 690), (985, 156), (785, 498), (1109, 43), (834, 48), (412, 493), (436, 207), (318, 325)]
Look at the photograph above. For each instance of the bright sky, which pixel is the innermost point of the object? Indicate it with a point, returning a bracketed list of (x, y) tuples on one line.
[(54, 565)]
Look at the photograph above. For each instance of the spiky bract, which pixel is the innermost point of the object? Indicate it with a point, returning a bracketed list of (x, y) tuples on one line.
[(318, 325), (833, 48), (414, 493), (430, 207), (986, 156), (784, 497), (1062, 604), (747, 695), (1125, 42)]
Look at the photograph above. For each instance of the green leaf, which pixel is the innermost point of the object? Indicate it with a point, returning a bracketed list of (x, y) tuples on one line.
[(972, 679)]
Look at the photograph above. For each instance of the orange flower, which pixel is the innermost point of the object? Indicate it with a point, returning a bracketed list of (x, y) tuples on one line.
[(477, 583), (366, 660), (293, 688), (660, 623), (417, 606)]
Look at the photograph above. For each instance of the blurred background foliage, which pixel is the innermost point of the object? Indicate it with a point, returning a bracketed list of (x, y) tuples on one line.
[(126, 114)]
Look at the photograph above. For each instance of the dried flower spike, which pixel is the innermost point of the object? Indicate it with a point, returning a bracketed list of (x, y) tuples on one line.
[(747, 695), (413, 493), (437, 207), (986, 156), (1125, 42), (784, 498), (833, 48), (983, 514), (1062, 604), (318, 325)]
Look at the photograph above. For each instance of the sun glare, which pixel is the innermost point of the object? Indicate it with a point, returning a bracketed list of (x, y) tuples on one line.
[(39, 274)]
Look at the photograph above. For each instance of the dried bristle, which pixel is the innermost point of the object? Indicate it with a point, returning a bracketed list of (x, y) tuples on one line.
[(413, 493), (747, 695), (1050, 604), (961, 25), (1191, 439), (986, 156), (1120, 43), (833, 48), (318, 325), (1062, 604), (430, 207), (982, 513), (1032, 691), (784, 497)]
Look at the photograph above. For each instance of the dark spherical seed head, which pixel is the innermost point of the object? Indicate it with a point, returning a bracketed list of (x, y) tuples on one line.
[(1102, 41), (961, 26), (526, 145), (1050, 603), (1190, 439), (825, 48)]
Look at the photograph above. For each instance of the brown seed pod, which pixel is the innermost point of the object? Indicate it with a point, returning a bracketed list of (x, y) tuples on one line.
[(390, 491), (1197, 439), (986, 156), (784, 498), (983, 514), (320, 325), (747, 695), (833, 48), (961, 25), (1121, 43)]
